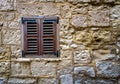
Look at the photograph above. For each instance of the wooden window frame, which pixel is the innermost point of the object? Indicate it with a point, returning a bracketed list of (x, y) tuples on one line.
[(40, 36)]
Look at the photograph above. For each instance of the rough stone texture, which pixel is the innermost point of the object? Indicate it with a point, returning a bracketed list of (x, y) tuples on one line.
[(79, 21), (12, 36), (98, 18), (48, 81), (85, 80), (1, 19), (84, 71), (66, 11), (5, 52), (43, 8), (66, 79), (9, 16), (82, 57), (6, 5), (65, 70), (21, 81), (2, 80), (107, 69), (15, 51), (20, 68), (4, 67), (43, 69), (66, 54), (83, 37), (102, 36), (26, 1)]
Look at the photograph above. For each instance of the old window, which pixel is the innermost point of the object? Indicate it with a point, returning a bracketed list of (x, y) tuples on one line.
[(40, 36)]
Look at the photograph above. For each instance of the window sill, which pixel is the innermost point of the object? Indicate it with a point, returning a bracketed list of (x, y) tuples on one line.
[(36, 59)]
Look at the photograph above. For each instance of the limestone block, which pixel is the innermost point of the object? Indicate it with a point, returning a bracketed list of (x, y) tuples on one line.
[(50, 0), (115, 12), (4, 67), (66, 11), (98, 18), (102, 36), (82, 57), (109, 1), (43, 69), (79, 21), (66, 54), (84, 71), (83, 37), (66, 79), (9, 16), (20, 68), (22, 81), (6, 5), (16, 51), (38, 9), (5, 53), (12, 36), (107, 69), (64, 25), (65, 70), (48, 81)]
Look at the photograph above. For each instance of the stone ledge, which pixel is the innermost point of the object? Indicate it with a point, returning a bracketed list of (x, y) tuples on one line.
[(36, 59)]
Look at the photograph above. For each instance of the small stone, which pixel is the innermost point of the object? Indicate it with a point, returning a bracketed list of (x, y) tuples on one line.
[(115, 12), (22, 81), (1, 20), (65, 70), (66, 11), (82, 57), (48, 81), (107, 69), (4, 67), (74, 46), (79, 21), (9, 16), (84, 71), (66, 79), (109, 1), (66, 54), (98, 18)]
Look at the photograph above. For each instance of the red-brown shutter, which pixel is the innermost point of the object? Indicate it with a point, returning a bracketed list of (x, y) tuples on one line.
[(31, 36), (49, 36)]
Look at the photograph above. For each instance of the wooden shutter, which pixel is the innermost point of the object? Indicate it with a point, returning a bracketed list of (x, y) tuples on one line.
[(49, 36), (40, 35), (31, 36)]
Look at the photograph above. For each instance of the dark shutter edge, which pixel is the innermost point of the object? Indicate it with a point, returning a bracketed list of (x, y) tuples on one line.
[(57, 20), (58, 53), (23, 53), (22, 20)]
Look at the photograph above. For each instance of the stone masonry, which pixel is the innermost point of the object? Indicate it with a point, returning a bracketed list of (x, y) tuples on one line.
[(89, 32)]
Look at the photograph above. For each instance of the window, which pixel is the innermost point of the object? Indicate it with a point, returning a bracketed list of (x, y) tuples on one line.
[(40, 36)]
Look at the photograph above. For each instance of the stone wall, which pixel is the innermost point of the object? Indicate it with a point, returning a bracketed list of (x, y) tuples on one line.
[(89, 42)]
